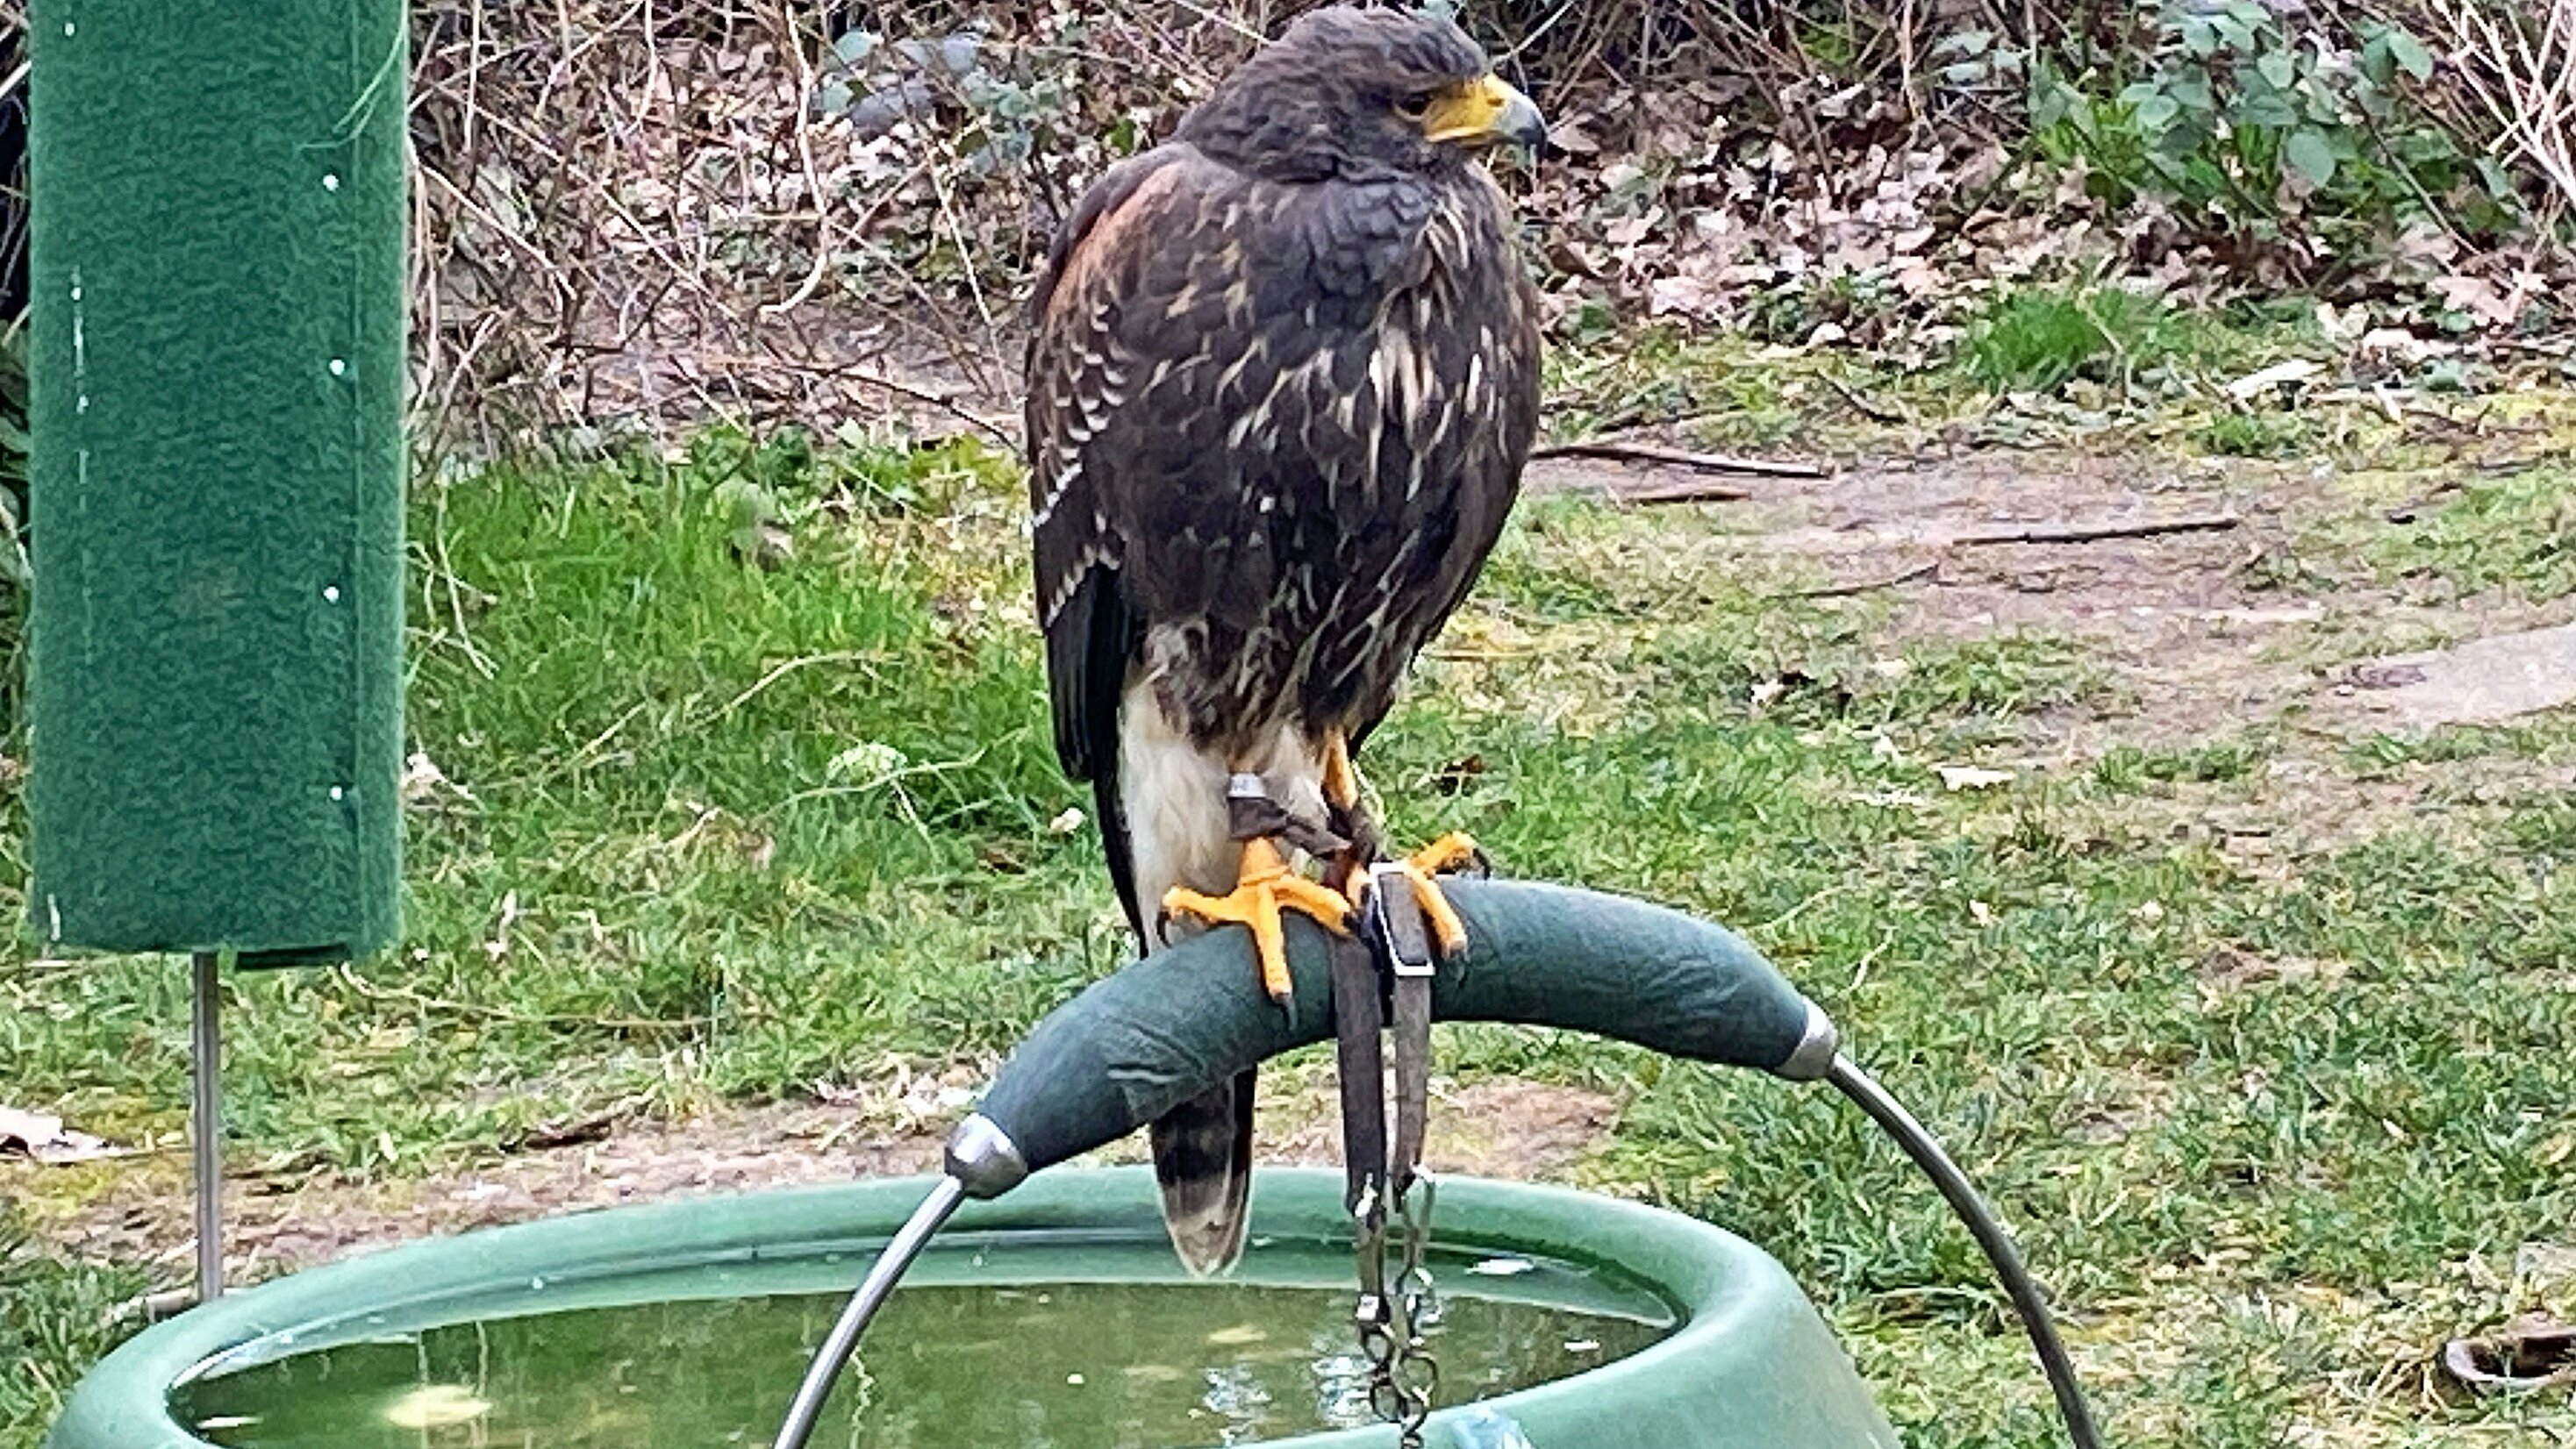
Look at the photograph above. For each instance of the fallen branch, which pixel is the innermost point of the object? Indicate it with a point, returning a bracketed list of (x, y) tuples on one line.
[(864, 375), (2094, 532), (1875, 412), (1641, 419), (2410, 511), (1615, 450), (1688, 490), (1865, 586)]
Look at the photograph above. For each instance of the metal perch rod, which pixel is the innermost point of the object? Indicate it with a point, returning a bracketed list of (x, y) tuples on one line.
[(206, 1119), (878, 1286), (1925, 1149), (1152, 1035)]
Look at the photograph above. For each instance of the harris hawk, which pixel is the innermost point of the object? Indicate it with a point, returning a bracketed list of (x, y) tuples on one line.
[(1282, 382)]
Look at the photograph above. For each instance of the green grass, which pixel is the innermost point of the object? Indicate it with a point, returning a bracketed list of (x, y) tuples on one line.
[(2031, 340), (2240, 433), (57, 1315), (724, 825), (2039, 339), (702, 799), (2129, 768), (2515, 533), (2096, 367), (2435, 534)]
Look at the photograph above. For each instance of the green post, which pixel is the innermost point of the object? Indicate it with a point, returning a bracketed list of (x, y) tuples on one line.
[(218, 205), (217, 470)]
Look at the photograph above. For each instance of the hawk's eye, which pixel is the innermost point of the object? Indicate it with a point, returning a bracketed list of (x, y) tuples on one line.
[(1415, 106)]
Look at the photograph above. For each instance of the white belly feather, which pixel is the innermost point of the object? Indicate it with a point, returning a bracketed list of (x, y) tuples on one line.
[(1173, 795)]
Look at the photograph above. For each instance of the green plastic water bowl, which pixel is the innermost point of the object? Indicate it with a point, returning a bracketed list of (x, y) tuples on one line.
[(1734, 1357)]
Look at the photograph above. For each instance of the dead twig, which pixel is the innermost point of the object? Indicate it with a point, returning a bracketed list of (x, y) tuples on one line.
[(2410, 511), (1875, 412), (2096, 532), (1931, 570), (862, 375), (1619, 451), (1693, 490), (2523, 70)]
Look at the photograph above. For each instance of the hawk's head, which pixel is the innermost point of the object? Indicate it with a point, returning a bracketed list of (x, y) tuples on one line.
[(1361, 93)]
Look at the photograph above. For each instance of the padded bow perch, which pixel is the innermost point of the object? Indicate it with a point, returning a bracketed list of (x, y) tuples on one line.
[(1137, 1044), (1152, 1035)]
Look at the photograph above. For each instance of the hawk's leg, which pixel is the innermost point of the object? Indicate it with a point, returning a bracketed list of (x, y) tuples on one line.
[(1266, 886), (1450, 853)]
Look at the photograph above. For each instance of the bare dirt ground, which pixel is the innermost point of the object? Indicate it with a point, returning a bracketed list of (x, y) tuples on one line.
[(2173, 596), (2197, 644), (1505, 1129), (2179, 602)]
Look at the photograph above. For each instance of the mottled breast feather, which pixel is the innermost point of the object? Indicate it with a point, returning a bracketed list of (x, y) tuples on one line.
[(1274, 430)]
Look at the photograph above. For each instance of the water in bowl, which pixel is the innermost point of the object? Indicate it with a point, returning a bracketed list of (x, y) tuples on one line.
[(971, 1354)]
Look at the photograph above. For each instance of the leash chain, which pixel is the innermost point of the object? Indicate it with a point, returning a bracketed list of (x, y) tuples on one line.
[(1394, 1314)]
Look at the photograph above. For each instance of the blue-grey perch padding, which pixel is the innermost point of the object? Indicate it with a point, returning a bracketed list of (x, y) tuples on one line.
[(1154, 1033), (217, 468)]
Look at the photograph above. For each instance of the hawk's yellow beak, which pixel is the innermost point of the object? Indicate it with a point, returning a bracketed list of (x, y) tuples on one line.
[(1482, 112)]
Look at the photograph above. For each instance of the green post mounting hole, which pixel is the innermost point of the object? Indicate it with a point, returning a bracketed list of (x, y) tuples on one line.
[(1056, 1315)]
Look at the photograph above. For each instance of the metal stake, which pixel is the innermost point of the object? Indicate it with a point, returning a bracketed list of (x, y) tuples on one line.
[(878, 1286), (1988, 1230), (206, 1126)]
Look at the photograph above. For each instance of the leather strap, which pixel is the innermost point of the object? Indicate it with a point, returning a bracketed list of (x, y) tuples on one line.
[(1400, 941), (1359, 1060), (1403, 938)]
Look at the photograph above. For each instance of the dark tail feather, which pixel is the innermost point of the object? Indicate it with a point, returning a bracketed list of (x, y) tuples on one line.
[(1203, 1159), (1112, 815)]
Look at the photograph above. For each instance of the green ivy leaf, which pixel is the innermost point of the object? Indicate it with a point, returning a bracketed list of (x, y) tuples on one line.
[(2269, 110), (2157, 111), (2409, 53), (2376, 65), (2276, 68), (2053, 101), (2311, 155)]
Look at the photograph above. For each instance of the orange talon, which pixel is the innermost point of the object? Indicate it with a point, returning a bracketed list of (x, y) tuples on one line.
[(1420, 869), (1263, 888), (1445, 925), (1446, 854), (1341, 777), (1342, 792)]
